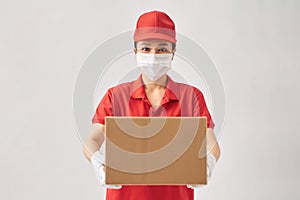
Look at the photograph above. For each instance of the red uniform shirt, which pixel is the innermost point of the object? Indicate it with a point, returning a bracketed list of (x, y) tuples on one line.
[(129, 99)]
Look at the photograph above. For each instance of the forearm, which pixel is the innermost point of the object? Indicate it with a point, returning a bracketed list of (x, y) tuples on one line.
[(93, 141), (90, 146), (212, 144), (216, 152)]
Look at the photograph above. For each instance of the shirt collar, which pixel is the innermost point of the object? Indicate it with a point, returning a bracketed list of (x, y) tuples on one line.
[(137, 89)]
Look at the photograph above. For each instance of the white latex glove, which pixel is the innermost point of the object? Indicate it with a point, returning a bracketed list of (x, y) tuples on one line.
[(210, 164), (97, 161)]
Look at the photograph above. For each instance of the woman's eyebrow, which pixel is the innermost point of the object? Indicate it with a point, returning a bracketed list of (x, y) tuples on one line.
[(144, 43), (163, 44)]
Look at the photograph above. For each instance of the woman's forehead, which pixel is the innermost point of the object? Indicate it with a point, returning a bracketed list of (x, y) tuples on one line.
[(154, 42)]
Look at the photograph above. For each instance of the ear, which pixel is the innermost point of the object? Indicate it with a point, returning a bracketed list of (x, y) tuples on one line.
[(134, 50), (173, 52)]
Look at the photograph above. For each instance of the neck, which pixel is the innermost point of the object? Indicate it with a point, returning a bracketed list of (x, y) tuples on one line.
[(157, 84)]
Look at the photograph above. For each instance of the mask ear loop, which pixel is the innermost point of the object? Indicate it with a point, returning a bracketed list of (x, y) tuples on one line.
[(173, 52)]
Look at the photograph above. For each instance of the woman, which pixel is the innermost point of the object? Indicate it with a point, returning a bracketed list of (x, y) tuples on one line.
[(154, 93)]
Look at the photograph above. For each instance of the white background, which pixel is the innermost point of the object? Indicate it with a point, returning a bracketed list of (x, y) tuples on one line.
[(254, 44)]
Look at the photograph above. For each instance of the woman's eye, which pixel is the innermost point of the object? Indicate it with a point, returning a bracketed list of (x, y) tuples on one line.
[(145, 49), (163, 49)]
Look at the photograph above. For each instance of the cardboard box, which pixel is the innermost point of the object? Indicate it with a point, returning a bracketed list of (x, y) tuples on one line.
[(155, 150)]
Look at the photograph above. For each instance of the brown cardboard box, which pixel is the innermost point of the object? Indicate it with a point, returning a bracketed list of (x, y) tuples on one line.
[(155, 150)]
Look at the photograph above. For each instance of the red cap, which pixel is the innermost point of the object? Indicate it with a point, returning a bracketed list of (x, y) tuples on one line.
[(155, 25)]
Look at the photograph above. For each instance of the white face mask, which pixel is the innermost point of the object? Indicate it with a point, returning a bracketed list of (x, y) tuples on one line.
[(154, 65)]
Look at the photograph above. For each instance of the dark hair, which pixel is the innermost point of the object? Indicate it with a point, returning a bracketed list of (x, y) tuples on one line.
[(173, 45)]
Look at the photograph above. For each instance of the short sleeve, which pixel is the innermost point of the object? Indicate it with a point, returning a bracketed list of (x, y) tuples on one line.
[(103, 109), (200, 109)]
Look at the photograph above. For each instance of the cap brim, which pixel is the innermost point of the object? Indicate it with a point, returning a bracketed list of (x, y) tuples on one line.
[(149, 36)]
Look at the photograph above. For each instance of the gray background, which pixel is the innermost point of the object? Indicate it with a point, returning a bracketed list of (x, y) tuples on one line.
[(254, 44)]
